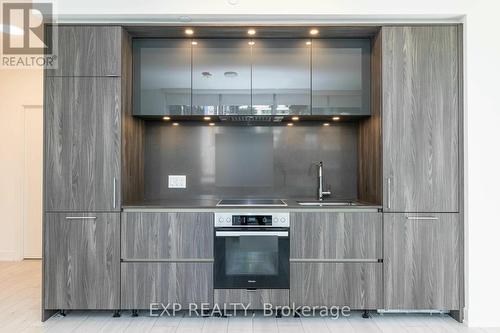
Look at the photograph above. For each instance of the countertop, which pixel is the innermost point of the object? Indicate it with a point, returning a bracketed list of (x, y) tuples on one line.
[(211, 205)]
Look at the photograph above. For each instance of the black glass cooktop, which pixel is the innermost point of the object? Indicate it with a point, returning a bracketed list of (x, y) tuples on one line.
[(251, 203)]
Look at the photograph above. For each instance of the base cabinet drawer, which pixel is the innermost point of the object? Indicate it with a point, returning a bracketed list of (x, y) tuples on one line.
[(357, 285), (326, 235), (255, 299), (166, 282), (176, 236), (82, 261)]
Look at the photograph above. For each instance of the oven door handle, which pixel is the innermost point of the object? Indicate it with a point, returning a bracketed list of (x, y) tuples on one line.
[(251, 233)]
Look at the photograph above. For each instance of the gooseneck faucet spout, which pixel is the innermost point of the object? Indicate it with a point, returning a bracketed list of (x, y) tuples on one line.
[(321, 193)]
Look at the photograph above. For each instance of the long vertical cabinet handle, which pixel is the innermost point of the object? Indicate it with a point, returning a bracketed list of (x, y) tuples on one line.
[(114, 192), (388, 192)]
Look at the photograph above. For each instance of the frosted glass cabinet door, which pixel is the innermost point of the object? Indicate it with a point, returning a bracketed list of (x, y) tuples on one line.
[(162, 77), (341, 77), (221, 77), (281, 78)]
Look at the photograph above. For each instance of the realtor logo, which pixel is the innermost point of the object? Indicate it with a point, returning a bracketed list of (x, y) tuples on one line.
[(29, 35)]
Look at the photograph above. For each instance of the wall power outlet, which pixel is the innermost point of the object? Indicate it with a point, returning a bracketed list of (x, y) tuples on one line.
[(176, 181)]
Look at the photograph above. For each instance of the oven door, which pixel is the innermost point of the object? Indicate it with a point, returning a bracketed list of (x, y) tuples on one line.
[(255, 258)]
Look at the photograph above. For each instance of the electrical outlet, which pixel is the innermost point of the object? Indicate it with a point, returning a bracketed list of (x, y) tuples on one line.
[(176, 181)]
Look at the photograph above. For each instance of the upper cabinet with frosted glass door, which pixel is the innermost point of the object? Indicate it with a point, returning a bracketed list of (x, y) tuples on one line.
[(281, 77), (162, 77), (341, 77), (221, 77)]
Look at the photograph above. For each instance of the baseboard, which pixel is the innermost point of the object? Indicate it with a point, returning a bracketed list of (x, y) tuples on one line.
[(9, 256)]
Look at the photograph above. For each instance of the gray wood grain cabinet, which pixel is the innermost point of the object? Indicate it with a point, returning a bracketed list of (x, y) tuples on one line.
[(174, 236), (318, 235), (334, 259), (421, 264), (358, 285), (82, 261), (88, 51), (420, 118), (82, 144), (144, 283)]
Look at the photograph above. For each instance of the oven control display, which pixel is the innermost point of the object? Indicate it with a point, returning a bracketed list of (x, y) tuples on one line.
[(252, 220)]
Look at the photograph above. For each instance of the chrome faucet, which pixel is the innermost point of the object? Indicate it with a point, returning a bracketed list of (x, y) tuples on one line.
[(321, 193)]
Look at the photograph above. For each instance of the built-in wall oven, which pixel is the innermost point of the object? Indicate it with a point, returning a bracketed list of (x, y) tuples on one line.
[(252, 250)]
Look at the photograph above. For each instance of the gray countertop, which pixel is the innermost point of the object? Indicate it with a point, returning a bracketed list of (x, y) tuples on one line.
[(211, 205)]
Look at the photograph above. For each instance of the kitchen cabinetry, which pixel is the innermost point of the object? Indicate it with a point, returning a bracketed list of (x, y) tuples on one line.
[(334, 259), (264, 77), (281, 78), (357, 285), (340, 76), (420, 119), (82, 144), (144, 283), (421, 261), (82, 261), (222, 77), (162, 72), (174, 236), (166, 257), (336, 235), (87, 51)]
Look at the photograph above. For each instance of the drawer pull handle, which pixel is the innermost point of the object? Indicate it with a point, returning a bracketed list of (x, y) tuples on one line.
[(421, 218), (81, 217)]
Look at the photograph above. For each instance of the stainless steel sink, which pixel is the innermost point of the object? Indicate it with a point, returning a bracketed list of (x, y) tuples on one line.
[(327, 203)]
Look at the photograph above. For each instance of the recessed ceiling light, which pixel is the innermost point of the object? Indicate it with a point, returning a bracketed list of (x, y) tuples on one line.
[(251, 42), (289, 124), (336, 118), (251, 32), (313, 32), (189, 31), (206, 118), (295, 118), (308, 42), (211, 124), (166, 118), (175, 124), (326, 124), (194, 43)]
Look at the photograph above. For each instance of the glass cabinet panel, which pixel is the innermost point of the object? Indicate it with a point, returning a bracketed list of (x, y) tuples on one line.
[(341, 77), (221, 77), (281, 77), (162, 77)]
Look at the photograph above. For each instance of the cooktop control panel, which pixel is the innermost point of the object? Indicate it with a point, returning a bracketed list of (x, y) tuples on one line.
[(252, 219)]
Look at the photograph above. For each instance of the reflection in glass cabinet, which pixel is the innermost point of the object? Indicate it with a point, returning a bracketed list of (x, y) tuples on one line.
[(341, 77), (281, 78), (269, 77), (162, 77), (221, 77)]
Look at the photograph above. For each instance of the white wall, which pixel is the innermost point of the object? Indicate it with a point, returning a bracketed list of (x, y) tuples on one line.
[(482, 57), (17, 88)]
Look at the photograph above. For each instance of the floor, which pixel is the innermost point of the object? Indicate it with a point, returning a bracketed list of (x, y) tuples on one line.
[(20, 312)]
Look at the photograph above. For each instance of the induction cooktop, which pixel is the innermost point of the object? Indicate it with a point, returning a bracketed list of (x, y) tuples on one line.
[(251, 203)]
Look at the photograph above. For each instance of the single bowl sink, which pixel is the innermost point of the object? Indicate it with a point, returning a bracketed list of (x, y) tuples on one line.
[(326, 203)]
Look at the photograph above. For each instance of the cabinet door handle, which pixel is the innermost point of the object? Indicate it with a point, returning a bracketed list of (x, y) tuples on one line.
[(81, 217), (388, 192), (421, 217), (114, 192)]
